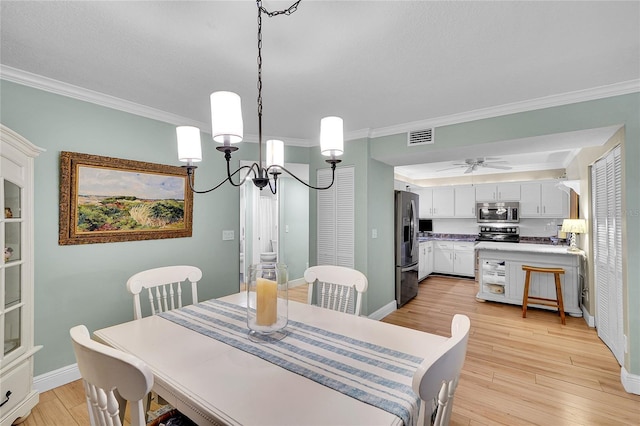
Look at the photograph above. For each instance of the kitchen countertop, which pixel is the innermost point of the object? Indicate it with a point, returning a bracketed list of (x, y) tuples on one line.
[(449, 237), (527, 247)]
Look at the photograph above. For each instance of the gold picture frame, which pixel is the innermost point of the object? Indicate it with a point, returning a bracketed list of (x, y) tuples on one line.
[(105, 200)]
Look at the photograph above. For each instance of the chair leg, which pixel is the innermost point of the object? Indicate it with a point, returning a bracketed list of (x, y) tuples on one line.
[(525, 295), (559, 297)]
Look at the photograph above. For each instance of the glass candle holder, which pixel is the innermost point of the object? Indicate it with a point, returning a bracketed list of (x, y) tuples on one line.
[(267, 301)]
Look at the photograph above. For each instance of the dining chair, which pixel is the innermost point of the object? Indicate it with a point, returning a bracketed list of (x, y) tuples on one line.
[(436, 379), (164, 287), (111, 378), (338, 288)]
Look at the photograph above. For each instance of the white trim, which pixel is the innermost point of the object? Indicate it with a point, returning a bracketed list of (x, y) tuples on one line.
[(54, 86), (297, 282), (623, 88), (56, 378), (630, 382), (384, 311), (588, 318)]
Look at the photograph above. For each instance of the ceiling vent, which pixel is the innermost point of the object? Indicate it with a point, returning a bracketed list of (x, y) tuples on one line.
[(420, 137)]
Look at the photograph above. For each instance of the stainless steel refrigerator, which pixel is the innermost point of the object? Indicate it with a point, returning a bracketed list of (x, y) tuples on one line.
[(406, 246)]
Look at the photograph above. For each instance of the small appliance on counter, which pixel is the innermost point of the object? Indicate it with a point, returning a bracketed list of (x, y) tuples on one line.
[(498, 233)]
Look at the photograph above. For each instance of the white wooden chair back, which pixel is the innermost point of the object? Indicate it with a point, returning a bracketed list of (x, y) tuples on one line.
[(337, 286), (164, 287), (104, 369), (436, 379)]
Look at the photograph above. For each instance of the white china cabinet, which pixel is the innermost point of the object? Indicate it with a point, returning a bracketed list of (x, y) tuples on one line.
[(17, 396)]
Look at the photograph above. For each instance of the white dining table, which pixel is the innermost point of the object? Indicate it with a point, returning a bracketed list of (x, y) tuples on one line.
[(215, 383)]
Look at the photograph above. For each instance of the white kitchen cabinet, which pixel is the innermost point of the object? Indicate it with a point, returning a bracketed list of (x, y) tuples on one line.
[(463, 259), (429, 258), (498, 192), (425, 264), (425, 204), (443, 257), (543, 199), (464, 201), (455, 258), (443, 202), (436, 202), (17, 396)]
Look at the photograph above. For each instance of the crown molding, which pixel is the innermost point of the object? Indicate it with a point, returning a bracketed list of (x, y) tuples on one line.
[(54, 86), (75, 92), (617, 89)]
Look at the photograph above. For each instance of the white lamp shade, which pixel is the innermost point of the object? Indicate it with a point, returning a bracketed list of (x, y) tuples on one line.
[(331, 136), (226, 117), (275, 153), (576, 226), (189, 149)]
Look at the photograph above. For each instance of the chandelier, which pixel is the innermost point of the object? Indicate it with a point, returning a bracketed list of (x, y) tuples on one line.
[(226, 128)]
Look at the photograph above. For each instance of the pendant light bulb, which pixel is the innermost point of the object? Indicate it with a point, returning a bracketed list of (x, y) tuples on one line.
[(189, 148), (226, 117), (331, 136)]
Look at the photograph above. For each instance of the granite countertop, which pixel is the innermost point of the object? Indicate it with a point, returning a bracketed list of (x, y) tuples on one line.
[(449, 237), (527, 247)]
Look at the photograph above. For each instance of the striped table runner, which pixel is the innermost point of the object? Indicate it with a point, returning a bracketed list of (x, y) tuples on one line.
[(373, 374)]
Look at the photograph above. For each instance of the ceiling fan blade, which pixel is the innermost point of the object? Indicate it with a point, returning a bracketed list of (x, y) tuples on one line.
[(448, 168), (471, 168), (493, 166)]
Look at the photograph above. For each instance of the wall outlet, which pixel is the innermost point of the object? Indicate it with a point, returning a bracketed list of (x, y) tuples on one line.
[(227, 235), (374, 233)]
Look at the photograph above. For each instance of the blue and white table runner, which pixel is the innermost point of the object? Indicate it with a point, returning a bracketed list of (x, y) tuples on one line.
[(373, 374)]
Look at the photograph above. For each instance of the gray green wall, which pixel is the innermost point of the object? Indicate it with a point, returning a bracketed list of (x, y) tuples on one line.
[(85, 284)]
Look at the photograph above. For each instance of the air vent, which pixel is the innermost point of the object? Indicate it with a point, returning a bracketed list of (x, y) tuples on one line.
[(420, 137)]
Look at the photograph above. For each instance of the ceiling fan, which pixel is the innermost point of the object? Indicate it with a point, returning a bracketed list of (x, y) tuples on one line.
[(472, 164)]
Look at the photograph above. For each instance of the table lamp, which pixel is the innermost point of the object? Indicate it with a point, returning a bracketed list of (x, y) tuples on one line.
[(574, 226)]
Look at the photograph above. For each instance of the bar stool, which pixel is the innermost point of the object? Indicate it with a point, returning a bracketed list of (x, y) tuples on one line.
[(557, 302)]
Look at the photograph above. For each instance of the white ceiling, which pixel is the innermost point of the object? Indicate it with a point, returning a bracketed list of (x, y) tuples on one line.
[(380, 65)]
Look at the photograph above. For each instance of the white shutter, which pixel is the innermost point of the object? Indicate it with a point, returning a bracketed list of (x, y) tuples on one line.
[(606, 193), (326, 220), (345, 222), (336, 218)]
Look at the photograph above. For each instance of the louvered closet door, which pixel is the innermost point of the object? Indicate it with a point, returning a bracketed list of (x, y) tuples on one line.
[(606, 192), (336, 218)]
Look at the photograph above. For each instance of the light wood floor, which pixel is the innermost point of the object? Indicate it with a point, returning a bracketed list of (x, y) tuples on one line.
[(531, 371)]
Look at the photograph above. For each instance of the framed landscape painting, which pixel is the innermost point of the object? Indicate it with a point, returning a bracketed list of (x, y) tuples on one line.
[(104, 199)]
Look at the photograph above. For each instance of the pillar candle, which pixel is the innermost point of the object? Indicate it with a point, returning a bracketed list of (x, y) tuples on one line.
[(266, 301)]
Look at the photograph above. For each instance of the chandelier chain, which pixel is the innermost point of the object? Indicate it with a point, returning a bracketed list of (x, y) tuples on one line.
[(288, 11)]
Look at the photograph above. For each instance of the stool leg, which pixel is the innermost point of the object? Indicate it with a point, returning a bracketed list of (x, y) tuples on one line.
[(525, 295), (559, 297)]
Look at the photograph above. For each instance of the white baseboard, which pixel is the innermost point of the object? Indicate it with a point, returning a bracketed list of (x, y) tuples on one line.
[(55, 378), (296, 283), (630, 382), (384, 311), (589, 319)]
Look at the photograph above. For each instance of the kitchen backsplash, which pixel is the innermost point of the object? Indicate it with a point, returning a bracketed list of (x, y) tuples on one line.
[(541, 228)]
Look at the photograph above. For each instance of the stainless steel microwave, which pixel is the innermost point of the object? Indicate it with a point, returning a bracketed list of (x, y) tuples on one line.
[(498, 212)]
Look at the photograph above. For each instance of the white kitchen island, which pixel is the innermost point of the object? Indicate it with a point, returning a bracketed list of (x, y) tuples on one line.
[(501, 278)]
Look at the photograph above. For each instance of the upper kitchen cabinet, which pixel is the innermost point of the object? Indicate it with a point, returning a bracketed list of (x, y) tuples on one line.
[(443, 202), (465, 201), (543, 199), (425, 207), (498, 192), (436, 202)]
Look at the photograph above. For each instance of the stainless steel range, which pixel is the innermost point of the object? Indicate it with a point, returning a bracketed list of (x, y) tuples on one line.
[(499, 233)]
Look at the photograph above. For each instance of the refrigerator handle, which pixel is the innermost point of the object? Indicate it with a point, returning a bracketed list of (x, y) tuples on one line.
[(409, 268), (412, 226)]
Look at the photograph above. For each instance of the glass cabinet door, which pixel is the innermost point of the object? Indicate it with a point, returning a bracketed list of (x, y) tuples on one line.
[(11, 302)]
